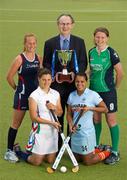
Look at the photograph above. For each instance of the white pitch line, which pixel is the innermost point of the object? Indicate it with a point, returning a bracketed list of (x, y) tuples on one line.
[(25, 21), (30, 21), (67, 10)]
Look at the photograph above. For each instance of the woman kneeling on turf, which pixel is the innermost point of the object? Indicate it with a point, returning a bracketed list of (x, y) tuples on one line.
[(43, 140), (83, 139)]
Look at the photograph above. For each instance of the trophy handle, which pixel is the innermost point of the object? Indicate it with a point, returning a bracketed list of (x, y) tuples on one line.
[(60, 77)]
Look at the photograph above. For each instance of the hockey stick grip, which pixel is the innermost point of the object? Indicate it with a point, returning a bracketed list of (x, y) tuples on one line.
[(77, 120), (79, 116), (55, 118), (52, 112)]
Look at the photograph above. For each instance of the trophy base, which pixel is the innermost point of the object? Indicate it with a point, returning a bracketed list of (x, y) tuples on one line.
[(60, 77)]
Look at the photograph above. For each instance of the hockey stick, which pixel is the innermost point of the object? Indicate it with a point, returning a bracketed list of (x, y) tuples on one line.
[(74, 161), (62, 150), (65, 146)]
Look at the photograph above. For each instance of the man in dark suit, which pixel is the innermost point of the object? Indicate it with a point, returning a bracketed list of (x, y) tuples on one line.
[(78, 63)]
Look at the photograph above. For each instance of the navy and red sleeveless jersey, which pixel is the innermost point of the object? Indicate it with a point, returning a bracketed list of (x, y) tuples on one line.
[(27, 82), (27, 73)]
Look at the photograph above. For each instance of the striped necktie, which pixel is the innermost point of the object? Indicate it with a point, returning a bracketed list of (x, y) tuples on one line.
[(65, 44)]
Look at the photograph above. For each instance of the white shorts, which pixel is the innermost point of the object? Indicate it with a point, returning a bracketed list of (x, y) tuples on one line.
[(45, 141), (84, 145)]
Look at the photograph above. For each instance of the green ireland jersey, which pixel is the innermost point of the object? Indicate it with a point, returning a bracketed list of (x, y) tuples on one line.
[(102, 69)]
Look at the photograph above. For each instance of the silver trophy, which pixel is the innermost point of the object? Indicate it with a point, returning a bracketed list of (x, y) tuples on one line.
[(64, 57)]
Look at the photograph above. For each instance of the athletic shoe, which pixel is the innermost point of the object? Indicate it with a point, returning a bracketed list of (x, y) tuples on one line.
[(11, 156), (112, 159), (102, 147)]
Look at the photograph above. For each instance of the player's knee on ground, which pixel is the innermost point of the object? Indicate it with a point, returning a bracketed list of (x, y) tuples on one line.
[(51, 159), (78, 157), (35, 161), (90, 159), (87, 162)]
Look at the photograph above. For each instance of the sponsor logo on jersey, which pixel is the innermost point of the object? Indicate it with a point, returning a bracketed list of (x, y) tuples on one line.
[(96, 67), (31, 66), (104, 59)]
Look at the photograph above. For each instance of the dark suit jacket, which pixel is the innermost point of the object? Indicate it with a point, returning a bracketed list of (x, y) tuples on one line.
[(76, 43)]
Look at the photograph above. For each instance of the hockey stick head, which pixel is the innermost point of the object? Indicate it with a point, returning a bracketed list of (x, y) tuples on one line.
[(75, 169), (50, 170)]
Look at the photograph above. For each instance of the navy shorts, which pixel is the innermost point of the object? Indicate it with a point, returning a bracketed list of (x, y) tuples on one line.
[(110, 99), (21, 101)]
